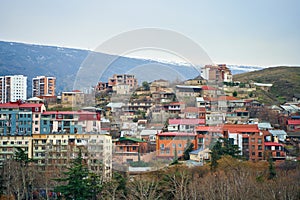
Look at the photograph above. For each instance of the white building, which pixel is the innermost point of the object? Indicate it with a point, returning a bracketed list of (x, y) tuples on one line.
[(13, 88)]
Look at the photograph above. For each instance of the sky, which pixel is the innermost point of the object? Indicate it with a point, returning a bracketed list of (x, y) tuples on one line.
[(256, 32)]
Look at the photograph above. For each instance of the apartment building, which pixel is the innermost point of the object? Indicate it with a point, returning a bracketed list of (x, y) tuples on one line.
[(249, 139), (55, 151), (169, 142), (70, 122), (42, 86), (8, 146), (18, 118), (13, 88), (127, 79)]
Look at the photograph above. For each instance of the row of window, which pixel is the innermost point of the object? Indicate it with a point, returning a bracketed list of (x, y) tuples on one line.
[(14, 142)]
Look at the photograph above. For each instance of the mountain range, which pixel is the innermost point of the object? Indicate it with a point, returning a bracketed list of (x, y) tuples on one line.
[(66, 64)]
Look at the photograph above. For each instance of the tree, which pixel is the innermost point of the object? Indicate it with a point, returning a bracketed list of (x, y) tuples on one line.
[(272, 171), (223, 147), (175, 159), (189, 147), (146, 86), (235, 94), (78, 184)]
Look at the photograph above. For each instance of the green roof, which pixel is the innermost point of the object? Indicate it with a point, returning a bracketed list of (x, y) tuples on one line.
[(130, 139)]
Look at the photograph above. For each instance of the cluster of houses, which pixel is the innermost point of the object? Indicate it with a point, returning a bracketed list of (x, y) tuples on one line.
[(150, 123)]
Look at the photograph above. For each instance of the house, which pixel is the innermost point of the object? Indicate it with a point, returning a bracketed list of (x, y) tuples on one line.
[(275, 151), (293, 124), (237, 117), (278, 135), (184, 125), (208, 91), (208, 135), (265, 126), (194, 113), (174, 108), (128, 149), (187, 91), (200, 155), (75, 97), (168, 144)]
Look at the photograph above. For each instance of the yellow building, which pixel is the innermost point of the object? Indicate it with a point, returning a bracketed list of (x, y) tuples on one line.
[(75, 97)]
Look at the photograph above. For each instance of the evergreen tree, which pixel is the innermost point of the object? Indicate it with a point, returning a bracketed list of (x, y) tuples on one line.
[(272, 171), (189, 147), (175, 159), (223, 147), (78, 184)]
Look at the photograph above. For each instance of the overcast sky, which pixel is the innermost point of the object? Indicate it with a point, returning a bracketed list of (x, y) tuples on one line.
[(256, 32)]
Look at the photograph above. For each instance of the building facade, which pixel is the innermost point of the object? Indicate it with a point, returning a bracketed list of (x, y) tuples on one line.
[(13, 88), (42, 85)]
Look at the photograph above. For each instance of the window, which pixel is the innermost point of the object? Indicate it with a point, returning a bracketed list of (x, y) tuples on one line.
[(259, 147), (179, 145), (277, 154), (162, 146), (260, 154), (259, 141), (36, 122), (253, 153)]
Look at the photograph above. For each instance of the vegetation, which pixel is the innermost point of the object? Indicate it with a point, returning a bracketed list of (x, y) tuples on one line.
[(78, 183), (285, 82), (232, 179)]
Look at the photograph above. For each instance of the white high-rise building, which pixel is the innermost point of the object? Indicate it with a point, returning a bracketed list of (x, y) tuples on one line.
[(13, 88)]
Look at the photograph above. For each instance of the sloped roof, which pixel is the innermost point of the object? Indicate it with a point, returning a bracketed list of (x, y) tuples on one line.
[(187, 121), (207, 87), (176, 134), (130, 139), (264, 125)]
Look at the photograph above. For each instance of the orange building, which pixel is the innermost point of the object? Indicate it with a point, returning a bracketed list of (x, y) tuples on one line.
[(252, 144), (169, 142), (42, 85)]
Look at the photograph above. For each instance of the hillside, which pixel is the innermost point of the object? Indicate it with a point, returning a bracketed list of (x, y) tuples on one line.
[(64, 63), (285, 80)]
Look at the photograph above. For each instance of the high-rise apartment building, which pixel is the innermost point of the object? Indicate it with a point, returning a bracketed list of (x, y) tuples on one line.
[(42, 85), (13, 88)]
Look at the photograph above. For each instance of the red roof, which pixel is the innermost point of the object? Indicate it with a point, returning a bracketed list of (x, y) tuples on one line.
[(206, 87), (194, 109), (209, 128), (31, 105), (294, 122), (176, 134), (241, 128), (10, 105), (272, 144), (223, 98), (187, 121), (176, 103), (68, 112), (20, 105)]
